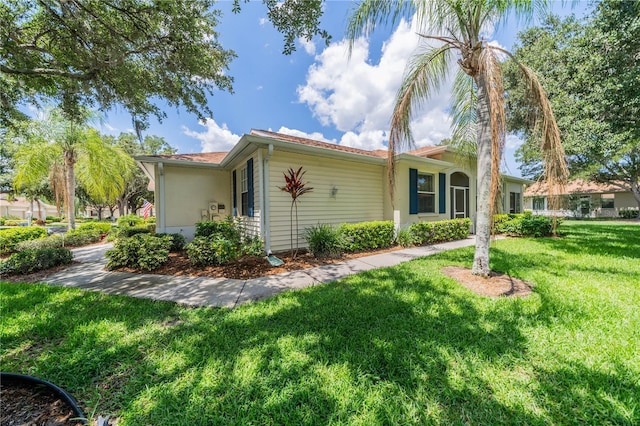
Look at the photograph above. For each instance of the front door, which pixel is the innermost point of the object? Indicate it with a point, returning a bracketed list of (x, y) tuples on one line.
[(459, 204)]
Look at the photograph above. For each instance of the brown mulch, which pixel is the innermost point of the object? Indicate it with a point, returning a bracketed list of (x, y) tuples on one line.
[(36, 276), (26, 405), (496, 285), (249, 267)]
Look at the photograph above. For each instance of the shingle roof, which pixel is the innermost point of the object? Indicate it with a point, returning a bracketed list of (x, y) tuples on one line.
[(428, 151), (577, 186), (202, 157), (380, 153)]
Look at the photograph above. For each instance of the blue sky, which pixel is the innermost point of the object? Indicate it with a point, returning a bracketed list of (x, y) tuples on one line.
[(315, 92)]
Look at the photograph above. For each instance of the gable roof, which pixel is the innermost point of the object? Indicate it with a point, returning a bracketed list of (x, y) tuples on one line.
[(577, 186), (202, 157), (428, 151), (380, 153)]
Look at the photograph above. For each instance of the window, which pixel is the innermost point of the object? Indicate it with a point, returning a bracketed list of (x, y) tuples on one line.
[(514, 202), (426, 193), (538, 203), (607, 201), (244, 191)]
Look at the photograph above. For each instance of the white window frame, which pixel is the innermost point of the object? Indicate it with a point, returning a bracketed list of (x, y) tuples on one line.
[(432, 192), (244, 192)]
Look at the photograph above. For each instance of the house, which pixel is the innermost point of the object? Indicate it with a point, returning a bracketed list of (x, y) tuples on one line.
[(22, 208), (583, 198), (349, 185)]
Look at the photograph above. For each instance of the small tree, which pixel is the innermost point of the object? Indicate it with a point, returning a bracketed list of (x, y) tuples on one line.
[(295, 187)]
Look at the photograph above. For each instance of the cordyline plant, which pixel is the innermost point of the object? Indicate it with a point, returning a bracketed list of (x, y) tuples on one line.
[(295, 187)]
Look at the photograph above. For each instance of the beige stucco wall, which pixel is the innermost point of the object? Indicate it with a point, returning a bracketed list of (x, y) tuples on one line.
[(508, 187), (187, 193), (624, 200), (359, 195)]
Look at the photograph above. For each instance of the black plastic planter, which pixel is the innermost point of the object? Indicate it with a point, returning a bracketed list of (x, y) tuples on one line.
[(34, 381)]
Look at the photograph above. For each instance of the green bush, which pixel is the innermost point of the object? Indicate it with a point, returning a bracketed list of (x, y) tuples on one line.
[(527, 226), (129, 221), (101, 227), (252, 246), (325, 241), (367, 235), (52, 241), (227, 229), (10, 237), (178, 241), (424, 233), (405, 238), (127, 232), (142, 252), (628, 213), (214, 250), (28, 261), (53, 218), (14, 222), (81, 237)]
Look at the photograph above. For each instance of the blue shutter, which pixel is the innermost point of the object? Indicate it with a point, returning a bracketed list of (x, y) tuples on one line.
[(235, 194), (250, 187), (442, 183), (413, 191)]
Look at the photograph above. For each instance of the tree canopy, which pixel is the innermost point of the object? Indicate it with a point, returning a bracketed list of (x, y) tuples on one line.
[(76, 54), (591, 70)]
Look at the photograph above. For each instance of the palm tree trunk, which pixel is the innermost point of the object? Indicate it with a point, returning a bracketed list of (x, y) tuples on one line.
[(70, 181), (483, 186)]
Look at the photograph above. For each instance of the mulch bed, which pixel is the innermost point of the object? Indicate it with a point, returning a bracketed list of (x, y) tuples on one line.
[(496, 285), (33, 405)]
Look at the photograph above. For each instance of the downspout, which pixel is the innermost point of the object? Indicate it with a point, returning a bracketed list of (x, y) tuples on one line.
[(161, 198), (266, 212)]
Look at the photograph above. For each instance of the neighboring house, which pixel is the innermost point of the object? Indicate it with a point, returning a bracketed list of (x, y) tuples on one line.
[(20, 207), (349, 185), (582, 199)]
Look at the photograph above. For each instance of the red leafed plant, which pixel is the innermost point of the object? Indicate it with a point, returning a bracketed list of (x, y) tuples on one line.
[(295, 187)]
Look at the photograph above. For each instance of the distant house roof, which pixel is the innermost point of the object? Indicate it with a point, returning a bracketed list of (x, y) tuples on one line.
[(202, 157), (578, 186), (429, 151), (381, 153)]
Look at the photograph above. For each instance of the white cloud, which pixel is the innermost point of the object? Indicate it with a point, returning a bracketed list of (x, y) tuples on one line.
[(300, 134), (215, 137), (262, 21), (308, 45), (357, 97)]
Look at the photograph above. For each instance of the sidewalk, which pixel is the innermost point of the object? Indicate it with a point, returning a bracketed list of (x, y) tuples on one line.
[(222, 292)]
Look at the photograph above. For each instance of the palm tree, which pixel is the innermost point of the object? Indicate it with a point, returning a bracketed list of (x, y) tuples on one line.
[(455, 27), (53, 145)]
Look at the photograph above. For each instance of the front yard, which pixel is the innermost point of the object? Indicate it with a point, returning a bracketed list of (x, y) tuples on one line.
[(402, 345)]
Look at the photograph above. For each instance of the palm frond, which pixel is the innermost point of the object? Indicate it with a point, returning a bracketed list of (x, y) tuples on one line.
[(464, 110), (371, 13), (424, 75), (492, 72)]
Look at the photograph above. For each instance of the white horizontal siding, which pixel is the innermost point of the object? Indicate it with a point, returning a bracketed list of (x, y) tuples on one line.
[(359, 195)]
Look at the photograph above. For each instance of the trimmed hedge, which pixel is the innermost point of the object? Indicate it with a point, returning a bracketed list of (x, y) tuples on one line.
[(101, 227), (424, 233), (28, 261), (628, 213), (9, 238), (527, 225), (142, 252), (367, 235)]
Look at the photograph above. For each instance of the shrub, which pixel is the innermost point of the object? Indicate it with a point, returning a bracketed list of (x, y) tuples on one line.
[(367, 235), (252, 246), (528, 226), (215, 250), (14, 222), (628, 213), (325, 241), (424, 233), (52, 241), (101, 227), (28, 261), (81, 237), (178, 241), (142, 251), (53, 218), (405, 238), (129, 221), (10, 237), (227, 229), (127, 232)]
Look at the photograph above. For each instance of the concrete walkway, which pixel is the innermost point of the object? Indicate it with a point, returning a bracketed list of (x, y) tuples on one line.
[(90, 274)]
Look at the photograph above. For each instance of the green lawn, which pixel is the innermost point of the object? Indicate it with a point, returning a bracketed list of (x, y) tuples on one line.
[(402, 345)]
